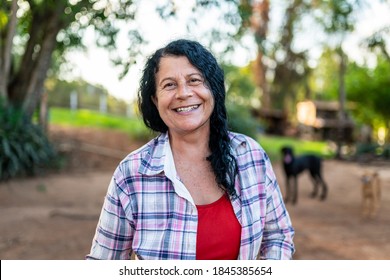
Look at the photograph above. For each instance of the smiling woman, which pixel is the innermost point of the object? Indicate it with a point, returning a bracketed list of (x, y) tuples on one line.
[(182, 98), (196, 191)]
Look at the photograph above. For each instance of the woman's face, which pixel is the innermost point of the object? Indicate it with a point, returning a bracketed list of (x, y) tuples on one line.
[(183, 100)]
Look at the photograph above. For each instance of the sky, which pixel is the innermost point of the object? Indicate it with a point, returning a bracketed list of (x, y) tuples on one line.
[(95, 67)]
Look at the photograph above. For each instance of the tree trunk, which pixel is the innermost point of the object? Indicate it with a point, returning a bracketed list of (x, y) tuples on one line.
[(27, 85), (18, 88), (6, 53), (342, 98), (260, 72), (43, 112), (38, 75), (259, 22)]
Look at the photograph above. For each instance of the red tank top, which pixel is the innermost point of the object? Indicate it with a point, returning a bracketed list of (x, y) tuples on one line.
[(219, 232)]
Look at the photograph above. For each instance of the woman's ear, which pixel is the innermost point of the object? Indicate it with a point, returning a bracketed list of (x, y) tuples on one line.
[(154, 99)]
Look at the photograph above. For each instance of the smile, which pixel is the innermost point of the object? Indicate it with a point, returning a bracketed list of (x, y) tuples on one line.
[(187, 109)]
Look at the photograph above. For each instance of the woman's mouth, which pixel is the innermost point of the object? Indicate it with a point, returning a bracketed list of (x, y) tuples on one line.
[(186, 109)]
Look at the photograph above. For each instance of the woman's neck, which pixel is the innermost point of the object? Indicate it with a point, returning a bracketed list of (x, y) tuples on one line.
[(193, 146)]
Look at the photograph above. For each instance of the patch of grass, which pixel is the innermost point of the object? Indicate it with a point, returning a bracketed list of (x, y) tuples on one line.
[(137, 130), (87, 118), (273, 144)]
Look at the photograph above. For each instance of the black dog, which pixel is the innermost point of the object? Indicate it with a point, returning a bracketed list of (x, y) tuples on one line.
[(293, 166)]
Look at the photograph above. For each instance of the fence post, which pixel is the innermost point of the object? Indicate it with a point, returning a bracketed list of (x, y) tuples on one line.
[(73, 100), (103, 103)]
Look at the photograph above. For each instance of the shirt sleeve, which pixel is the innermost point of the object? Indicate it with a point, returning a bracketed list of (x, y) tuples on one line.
[(278, 233), (114, 233)]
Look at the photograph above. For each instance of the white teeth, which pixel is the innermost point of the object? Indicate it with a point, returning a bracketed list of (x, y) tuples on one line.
[(187, 109)]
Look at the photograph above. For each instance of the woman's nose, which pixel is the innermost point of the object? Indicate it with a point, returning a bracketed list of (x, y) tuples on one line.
[(183, 91)]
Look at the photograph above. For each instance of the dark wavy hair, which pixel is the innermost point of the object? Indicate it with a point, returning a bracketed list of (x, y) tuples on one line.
[(222, 161)]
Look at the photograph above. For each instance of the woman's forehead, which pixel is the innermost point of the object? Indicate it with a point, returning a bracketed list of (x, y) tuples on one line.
[(176, 65)]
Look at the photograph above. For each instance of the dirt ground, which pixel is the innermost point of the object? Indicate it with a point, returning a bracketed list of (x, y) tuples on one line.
[(54, 216)]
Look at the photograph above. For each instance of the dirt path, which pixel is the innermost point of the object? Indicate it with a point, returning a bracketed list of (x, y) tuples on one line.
[(54, 217), (334, 229)]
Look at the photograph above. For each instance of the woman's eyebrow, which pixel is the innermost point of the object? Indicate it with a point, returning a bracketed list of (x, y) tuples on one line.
[(188, 75), (166, 79), (195, 74)]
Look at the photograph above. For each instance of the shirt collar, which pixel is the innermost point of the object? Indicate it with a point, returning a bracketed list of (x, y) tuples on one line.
[(153, 159), (159, 159), (171, 173)]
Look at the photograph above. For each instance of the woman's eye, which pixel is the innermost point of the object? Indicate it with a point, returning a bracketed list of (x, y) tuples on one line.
[(195, 81), (168, 85)]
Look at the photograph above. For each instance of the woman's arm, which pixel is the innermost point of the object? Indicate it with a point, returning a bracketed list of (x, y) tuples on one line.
[(278, 231), (114, 234)]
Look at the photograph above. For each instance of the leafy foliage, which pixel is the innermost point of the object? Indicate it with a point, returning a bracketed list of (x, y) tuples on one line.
[(24, 148), (242, 98), (49, 29), (241, 121), (369, 89)]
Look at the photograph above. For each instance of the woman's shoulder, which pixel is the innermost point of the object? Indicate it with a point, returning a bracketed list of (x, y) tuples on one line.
[(239, 140), (144, 161), (154, 145), (245, 147), (153, 149)]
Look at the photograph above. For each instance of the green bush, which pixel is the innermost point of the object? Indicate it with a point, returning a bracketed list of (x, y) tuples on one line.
[(366, 148), (24, 147), (241, 120), (386, 152)]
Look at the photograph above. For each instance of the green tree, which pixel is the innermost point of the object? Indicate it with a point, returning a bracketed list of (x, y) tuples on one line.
[(324, 78), (41, 29), (369, 88), (377, 42), (32, 32), (242, 98)]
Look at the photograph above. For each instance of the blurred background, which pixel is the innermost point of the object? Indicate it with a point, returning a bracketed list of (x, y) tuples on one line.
[(311, 74)]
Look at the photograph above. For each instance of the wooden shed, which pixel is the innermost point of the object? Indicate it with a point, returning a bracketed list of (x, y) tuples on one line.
[(275, 121), (321, 120)]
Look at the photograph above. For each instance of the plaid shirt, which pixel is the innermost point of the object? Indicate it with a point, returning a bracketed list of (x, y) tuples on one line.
[(149, 211)]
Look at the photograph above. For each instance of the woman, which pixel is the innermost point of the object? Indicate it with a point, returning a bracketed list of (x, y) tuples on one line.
[(196, 191)]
